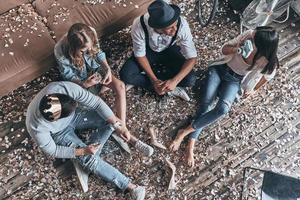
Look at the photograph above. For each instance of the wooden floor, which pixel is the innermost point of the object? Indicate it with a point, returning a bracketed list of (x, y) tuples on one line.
[(274, 146)]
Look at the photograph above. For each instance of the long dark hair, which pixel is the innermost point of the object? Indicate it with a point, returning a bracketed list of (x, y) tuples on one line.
[(76, 39), (266, 40)]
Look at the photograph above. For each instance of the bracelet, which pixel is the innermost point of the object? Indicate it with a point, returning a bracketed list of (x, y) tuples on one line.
[(117, 125)]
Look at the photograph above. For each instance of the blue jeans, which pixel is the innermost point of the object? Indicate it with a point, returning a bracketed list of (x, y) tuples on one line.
[(220, 81), (85, 119), (165, 65)]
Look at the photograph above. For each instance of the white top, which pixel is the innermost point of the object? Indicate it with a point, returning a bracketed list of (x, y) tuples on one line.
[(239, 66), (237, 62), (159, 42)]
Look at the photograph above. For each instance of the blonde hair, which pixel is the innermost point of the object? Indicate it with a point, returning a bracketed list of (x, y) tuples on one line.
[(77, 38)]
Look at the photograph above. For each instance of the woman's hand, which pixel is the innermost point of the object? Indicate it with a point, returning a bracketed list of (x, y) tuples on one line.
[(108, 77), (92, 80), (243, 39), (229, 49)]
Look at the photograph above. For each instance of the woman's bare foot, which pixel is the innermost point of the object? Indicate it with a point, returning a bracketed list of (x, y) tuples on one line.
[(189, 157), (177, 141), (189, 153)]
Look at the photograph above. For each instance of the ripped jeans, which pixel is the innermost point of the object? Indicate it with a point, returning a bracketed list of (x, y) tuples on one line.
[(220, 81), (90, 119)]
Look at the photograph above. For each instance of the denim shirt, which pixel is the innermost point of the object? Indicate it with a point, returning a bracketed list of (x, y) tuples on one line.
[(69, 71)]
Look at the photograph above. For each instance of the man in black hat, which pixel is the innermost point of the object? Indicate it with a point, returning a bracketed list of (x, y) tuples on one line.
[(164, 52)]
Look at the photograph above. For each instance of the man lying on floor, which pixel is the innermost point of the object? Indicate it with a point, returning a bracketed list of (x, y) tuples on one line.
[(54, 115)]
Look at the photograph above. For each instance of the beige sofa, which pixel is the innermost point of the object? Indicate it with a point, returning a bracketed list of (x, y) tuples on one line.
[(29, 30)]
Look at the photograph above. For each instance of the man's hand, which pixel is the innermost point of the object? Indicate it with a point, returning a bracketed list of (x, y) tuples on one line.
[(123, 131), (169, 85), (157, 84), (92, 148), (125, 134), (88, 150)]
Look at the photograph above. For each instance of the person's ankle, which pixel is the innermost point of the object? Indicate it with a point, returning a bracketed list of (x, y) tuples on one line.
[(180, 137), (181, 134), (190, 148), (131, 187)]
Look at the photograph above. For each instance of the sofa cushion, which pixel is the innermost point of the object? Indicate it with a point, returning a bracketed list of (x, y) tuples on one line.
[(26, 48), (106, 18), (6, 5)]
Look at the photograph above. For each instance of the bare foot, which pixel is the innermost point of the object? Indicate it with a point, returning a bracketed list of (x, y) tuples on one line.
[(189, 156), (176, 143)]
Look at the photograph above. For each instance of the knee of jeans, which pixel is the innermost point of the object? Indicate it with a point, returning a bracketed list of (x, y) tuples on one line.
[(123, 74), (90, 162), (211, 70), (189, 80), (223, 107), (125, 71)]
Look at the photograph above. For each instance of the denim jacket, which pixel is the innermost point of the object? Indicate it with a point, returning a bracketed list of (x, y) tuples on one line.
[(71, 73)]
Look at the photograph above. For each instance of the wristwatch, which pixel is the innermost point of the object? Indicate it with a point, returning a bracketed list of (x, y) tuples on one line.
[(239, 50), (116, 125)]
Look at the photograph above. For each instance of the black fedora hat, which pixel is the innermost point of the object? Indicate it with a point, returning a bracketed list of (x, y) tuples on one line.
[(162, 14)]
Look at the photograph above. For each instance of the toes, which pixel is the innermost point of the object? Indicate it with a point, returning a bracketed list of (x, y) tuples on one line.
[(173, 146), (191, 163)]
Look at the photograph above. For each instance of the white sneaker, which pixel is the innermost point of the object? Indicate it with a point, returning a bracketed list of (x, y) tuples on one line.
[(128, 87), (180, 92), (138, 193), (82, 175), (144, 148)]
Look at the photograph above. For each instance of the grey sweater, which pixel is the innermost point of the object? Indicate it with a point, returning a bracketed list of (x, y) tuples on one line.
[(40, 129)]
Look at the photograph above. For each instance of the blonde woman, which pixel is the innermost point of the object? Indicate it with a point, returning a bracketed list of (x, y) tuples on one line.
[(81, 61)]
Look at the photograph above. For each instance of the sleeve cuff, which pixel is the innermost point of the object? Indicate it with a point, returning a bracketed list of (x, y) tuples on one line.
[(193, 125), (101, 56), (139, 53), (189, 56)]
